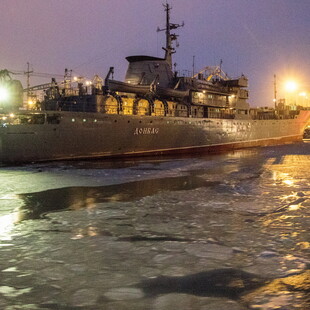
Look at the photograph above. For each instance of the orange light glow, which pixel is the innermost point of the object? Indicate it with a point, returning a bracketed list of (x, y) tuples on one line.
[(291, 86)]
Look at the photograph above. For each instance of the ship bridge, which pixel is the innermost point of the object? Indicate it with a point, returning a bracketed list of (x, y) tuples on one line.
[(146, 70)]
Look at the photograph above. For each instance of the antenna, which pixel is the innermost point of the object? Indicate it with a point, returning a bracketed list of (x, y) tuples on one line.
[(169, 36), (28, 79)]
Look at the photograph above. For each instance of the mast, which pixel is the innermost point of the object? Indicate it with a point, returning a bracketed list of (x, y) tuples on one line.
[(28, 72), (275, 91), (169, 49)]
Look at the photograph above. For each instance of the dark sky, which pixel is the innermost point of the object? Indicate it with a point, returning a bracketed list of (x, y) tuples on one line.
[(259, 38)]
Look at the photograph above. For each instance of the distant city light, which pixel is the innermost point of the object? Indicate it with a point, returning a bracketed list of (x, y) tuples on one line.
[(290, 86)]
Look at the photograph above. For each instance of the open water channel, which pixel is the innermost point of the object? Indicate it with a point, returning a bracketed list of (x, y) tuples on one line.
[(222, 231)]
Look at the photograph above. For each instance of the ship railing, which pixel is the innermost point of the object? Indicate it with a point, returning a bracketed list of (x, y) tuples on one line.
[(221, 115), (177, 112), (272, 117)]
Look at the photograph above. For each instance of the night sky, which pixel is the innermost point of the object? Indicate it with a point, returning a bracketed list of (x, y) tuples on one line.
[(259, 38)]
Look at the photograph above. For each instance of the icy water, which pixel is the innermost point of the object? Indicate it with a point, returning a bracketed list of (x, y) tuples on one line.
[(222, 231)]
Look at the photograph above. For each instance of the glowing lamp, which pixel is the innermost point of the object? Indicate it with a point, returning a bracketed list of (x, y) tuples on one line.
[(291, 86), (4, 94)]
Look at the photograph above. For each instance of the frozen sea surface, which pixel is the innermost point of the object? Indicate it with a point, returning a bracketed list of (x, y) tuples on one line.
[(223, 231)]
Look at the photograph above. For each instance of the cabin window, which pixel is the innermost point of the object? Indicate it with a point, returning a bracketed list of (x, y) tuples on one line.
[(53, 119), (243, 112), (32, 119), (22, 119)]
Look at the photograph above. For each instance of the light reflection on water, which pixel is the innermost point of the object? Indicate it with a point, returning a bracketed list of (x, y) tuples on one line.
[(76, 198), (172, 211), (294, 207), (89, 231), (220, 177), (7, 223)]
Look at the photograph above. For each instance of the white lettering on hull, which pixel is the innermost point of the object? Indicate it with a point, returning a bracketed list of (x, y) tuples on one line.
[(146, 131)]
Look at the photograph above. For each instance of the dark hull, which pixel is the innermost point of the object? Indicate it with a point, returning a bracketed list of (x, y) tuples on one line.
[(94, 135)]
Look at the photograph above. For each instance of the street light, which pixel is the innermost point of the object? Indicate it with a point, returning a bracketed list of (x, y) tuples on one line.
[(303, 99), (291, 86), (4, 94)]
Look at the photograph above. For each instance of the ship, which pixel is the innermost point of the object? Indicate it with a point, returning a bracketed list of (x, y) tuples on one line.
[(153, 111)]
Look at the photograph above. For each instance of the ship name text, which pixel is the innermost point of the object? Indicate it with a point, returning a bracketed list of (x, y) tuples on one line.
[(146, 131)]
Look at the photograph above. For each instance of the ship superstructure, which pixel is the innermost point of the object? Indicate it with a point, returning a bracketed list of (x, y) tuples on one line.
[(153, 111)]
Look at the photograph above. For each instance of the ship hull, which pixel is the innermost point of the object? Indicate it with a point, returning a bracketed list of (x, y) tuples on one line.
[(93, 135)]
